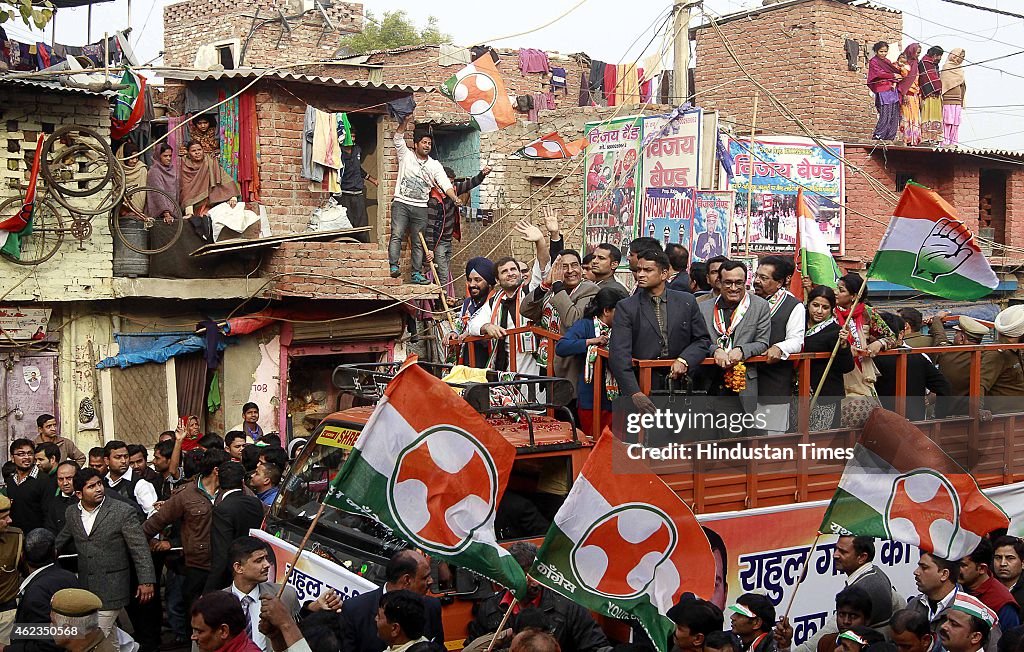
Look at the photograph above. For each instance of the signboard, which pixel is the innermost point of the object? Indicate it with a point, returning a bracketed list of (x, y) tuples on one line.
[(338, 437), (313, 575), (31, 387), (774, 169), (764, 549), (711, 224), (24, 323), (668, 215), (672, 159), (610, 193)]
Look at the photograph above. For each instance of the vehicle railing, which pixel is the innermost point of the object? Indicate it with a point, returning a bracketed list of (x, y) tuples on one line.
[(803, 361)]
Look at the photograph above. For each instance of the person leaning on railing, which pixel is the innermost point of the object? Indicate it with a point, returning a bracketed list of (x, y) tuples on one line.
[(820, 337), (1002, 371)]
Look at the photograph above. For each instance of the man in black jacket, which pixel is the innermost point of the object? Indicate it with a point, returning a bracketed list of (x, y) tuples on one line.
[(444, 224), (573, 626), (26, 491), (44, 580), (656, 323), (407, 569), (678, 262), (233, 516), (922, 376)]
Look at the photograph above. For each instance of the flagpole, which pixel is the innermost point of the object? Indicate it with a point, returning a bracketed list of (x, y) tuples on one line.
[(803, 574), (750, 180), (501, 626), (298, 553), (839, 340)]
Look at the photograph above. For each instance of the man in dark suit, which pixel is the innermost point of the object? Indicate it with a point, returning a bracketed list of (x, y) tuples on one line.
[(656, 323), (109, 540), (45, 578), (233, 516), (26, 490), (678, 261), (922, 377), (407, 569)]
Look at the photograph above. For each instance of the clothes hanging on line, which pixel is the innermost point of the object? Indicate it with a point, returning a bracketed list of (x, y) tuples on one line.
[(531, 60), (558, 80), (452, 55)]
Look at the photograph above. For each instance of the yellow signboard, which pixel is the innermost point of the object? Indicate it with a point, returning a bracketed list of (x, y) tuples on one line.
[(338, 437)]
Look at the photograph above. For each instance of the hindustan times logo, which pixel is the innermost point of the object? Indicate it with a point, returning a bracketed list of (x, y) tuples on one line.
[(735, 423)]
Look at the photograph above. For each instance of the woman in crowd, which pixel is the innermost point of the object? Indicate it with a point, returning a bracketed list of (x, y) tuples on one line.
[(163, 176), (134, 176), (868, 336), (582, 340), (203, 183), (931, 97), (203, 130), (910, 96), (822, 333), (954, 88), (882, 76)]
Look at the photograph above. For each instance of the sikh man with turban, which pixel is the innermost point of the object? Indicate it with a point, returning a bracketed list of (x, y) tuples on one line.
[(1002, 371), (481, 276)]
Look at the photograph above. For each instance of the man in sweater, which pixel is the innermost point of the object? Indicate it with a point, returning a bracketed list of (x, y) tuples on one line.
[(976, 578), (444, 223), (417, 174)]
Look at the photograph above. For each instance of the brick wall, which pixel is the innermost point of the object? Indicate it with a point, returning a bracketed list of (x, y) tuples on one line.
[(190, 24), (83, 270), (797, 51)]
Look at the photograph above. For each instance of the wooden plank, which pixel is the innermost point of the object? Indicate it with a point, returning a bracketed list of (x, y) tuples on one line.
[(237, 244)]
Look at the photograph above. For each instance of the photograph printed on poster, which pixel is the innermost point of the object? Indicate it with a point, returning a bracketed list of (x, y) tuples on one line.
[(611, 182), (669, 215), (773, 175), (711, 224)]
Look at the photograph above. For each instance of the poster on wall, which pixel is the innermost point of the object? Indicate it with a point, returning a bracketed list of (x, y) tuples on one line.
[(762, 550), (668, 215), (24, 323), (712, 224), (610, 193), (773, 170), (671, 153)]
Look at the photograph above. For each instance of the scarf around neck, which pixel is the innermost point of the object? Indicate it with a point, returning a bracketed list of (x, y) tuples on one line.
[(725, 333), (611, 388), (820, 326)]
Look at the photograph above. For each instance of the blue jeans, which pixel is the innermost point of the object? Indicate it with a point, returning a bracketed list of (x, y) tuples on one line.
[(177, 616), (443, 260), (411, 219)]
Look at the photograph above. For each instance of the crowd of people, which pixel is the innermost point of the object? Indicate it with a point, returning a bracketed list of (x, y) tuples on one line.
[(719, 309), (918, 102)]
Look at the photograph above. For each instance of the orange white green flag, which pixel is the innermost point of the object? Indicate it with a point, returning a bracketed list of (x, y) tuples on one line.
[(551, 146), (433, 476), (816, 259), (479, 89), (901, 486), (623, 544), (927, 247)]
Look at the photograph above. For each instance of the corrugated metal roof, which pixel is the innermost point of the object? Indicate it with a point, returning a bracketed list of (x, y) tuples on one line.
[(250, 73), (1018, 156), (53, 86)]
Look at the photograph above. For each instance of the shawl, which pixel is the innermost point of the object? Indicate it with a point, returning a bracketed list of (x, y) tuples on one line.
[(134, 176), (913, 89), (912, 52), (881, 74), (204, 181), (208, 138), (931, 84), (952, 75), (166, 179), (611, 386)]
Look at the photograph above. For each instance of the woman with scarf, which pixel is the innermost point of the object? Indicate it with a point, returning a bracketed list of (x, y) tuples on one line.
[(910, 96), (202, 130), (163, 176), (931, 97), (954, 88), (867, 336), (583, 339), (882, 75), (823, 331), (203, 183), (134, 176)]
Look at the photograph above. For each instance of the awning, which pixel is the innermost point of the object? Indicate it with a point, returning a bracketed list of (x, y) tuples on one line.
[(140, 348)]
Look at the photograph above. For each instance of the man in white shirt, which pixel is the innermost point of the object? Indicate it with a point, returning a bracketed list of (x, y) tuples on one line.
[(417, 175), (122, 479), (250, 572), (786, 338)]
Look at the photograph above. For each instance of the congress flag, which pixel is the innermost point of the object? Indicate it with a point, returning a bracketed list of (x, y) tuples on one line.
[(816, 259), (431, 469), (130, 105), (901, 486), (928, 248), (479, 89), (549, 147), (623, 544)]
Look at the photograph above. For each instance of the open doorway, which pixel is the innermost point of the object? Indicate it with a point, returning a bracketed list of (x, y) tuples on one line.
[(312, 394), (365, 130), (992, 208)]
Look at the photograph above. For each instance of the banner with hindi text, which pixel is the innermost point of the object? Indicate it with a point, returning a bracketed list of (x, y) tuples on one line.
[(671, 154), (774, 169), (668, 215), (610, 191), (712, 223)]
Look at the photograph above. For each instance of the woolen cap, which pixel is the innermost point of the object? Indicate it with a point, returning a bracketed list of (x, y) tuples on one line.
[(75, 603)]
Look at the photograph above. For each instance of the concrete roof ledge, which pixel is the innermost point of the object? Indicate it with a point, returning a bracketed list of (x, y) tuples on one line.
[(185, 289)]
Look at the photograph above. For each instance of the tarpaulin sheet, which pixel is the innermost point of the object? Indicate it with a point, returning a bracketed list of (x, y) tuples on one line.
[(140, 348)]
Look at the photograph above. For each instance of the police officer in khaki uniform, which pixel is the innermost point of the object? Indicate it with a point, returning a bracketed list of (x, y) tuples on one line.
[(956, 365), (1002, 371), (11, 539)]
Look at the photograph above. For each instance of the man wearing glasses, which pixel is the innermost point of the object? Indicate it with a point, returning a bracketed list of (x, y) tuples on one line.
[(558, 302), (25, 490), (740, 326)]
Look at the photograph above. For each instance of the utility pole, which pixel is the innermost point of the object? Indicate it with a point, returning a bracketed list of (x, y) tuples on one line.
[(681, 51)]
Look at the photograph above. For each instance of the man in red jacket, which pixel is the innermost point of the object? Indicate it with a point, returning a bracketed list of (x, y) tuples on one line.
[(977, 579)]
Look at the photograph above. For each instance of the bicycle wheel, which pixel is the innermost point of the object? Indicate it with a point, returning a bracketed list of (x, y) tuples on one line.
[(46, 235), (77, 161), (108, 198), (161, 232)]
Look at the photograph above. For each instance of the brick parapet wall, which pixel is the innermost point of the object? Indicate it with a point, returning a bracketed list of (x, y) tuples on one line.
[(82, 271)]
